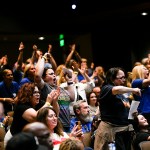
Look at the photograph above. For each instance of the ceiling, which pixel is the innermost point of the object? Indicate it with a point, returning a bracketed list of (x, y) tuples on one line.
[(52, 17)]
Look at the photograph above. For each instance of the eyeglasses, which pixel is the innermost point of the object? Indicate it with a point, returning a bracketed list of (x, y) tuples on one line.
[(123, 77)]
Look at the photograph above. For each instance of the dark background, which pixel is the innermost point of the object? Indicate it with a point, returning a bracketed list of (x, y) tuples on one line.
[(109, 33)]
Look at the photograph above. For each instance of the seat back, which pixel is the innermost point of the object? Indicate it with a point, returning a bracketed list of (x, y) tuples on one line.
[(145, 145)]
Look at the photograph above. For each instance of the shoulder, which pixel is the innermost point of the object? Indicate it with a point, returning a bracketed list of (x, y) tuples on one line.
[(107, 87), (137, 82), (15, 83)]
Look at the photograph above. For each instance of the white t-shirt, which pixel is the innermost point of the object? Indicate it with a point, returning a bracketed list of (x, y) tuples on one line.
[(56, 139)]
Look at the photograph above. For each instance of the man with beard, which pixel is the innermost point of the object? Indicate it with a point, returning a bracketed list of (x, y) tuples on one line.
[(82, 114)]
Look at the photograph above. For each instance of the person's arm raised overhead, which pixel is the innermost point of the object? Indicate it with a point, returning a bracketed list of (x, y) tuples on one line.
[(39, 71), (20, 57), (70, 87), (51, 58), (33, 54), (72, 50)]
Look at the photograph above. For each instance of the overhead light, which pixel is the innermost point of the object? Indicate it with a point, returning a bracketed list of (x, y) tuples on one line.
[(41, 38), (144, 13), (74, 6)]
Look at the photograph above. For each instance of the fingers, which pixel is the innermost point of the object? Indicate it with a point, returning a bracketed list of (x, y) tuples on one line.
[(54, 94)]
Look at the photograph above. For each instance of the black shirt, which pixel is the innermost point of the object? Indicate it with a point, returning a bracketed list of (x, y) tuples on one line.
[(112, 108)]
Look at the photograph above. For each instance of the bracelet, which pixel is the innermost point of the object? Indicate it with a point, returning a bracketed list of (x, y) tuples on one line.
[(48, 104), (69, 83), (4, 99)]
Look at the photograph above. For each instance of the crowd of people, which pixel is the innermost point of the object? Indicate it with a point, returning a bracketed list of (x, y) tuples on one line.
[(61, 106)]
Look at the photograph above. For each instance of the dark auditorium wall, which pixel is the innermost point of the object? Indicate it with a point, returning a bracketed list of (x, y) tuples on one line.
[(119, 47)]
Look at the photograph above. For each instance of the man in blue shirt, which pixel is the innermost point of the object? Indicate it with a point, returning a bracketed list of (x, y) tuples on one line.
[(82, 114)]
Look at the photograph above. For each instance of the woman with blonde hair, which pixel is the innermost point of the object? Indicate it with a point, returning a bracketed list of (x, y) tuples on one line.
[(141, 79)]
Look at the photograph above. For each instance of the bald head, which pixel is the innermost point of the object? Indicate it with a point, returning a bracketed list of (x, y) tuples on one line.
[(40, 130), (37, 128)]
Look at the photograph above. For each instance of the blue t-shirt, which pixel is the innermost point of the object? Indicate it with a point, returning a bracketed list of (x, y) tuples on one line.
[(144, 106), (25, 80), (10, 92), (86, 127)]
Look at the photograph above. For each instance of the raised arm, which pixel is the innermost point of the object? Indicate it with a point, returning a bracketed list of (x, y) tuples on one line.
[(33, 54), (51, 58), (72, 50), (20, 57), (39, 71)]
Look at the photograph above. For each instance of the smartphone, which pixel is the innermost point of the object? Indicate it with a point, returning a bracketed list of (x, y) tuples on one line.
[(79, 125)]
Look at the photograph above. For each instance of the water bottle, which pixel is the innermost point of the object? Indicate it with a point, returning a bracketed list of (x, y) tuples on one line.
[(112, 146)]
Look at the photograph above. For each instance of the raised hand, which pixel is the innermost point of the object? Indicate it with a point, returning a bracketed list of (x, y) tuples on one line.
[(49, 48), (21, 46), (35, 47)]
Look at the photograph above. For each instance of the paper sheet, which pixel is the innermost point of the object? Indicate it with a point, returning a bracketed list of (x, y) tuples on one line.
[(133, 108)]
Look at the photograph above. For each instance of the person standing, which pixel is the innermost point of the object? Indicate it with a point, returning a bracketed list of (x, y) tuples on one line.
[(114, 125), (141, 79), (46, 81)]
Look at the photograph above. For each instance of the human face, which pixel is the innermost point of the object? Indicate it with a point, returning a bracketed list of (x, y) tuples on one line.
[(84, 108), (145, 72), (142, 121), (31, 71), (9, 76), (50, 77), (51, 120), (120, 78), (36, 96), (93, 99), (84, 112)]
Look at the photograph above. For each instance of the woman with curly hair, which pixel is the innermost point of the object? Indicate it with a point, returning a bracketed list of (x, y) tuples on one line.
[(28, 98)]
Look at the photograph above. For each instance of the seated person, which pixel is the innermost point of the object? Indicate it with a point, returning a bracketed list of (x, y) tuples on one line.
[(82, 114), (49, 117), (24, 141), (41, 131), (141, 127)]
